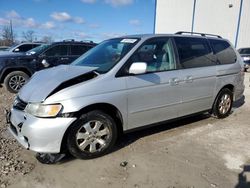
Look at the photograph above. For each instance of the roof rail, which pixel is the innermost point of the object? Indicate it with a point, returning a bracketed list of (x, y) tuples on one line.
[(194, 33), (87, 41), (68, 40)]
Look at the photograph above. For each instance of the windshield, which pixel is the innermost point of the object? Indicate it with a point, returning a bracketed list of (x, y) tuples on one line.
[(244, 51), (38, 49), (107, 54)]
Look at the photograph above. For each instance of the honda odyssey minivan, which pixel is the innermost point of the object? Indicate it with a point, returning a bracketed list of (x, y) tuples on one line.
[(122, 84)]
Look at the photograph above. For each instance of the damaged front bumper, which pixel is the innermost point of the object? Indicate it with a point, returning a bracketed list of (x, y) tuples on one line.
[(42, 135)]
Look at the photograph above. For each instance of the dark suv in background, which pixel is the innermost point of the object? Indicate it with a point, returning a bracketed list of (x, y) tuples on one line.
[(16, 68), (245, 54)]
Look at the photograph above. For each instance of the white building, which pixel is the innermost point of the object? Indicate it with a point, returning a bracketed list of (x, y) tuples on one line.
[(227, 18)]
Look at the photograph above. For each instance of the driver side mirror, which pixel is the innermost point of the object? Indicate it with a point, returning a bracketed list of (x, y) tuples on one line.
[(138, 68), (17, 50)]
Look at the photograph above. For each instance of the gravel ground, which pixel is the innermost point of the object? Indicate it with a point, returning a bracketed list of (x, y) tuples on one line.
[(11, 162), (195, 152)]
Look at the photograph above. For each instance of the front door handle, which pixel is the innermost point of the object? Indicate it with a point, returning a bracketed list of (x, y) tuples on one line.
[(174, 81), (188, 79), (64, 58)]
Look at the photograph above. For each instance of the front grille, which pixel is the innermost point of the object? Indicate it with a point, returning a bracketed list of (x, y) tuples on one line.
[(19, 104)]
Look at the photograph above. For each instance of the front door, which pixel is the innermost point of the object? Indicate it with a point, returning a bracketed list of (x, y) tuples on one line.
[(57, 55), (154, 96)]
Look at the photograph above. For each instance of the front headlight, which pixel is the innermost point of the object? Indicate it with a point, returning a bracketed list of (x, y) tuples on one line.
[(43, 110), (246, 58)]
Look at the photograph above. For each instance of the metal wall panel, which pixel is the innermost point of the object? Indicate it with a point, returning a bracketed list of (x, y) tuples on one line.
[(211, 16), (217, 17), (173, 16), (244, 32)]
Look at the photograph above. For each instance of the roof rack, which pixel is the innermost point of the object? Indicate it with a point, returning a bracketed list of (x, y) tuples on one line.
[(194, 33)]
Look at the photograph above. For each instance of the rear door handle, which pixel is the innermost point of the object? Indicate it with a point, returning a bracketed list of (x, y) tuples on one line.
[(188, 79), (174, 81)]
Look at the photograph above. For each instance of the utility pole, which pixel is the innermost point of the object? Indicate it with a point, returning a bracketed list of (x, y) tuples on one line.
[(11, 32), (238, 25), (193, 17)]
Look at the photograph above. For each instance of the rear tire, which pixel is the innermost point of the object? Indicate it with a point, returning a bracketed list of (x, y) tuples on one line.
[(223, 103), (92, 135), (15, 80)]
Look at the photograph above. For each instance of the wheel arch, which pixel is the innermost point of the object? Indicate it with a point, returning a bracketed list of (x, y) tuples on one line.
[(231, 87), (106, 108), (6, 71)]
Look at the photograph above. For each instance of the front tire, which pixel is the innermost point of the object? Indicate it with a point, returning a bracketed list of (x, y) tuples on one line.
[(15, 80), (92, 135), (223, 103)]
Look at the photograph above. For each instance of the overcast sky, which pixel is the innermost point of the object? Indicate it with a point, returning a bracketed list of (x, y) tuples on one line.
[(78, 19)]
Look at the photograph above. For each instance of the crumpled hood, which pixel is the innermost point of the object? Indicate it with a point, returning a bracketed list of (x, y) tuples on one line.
[(46, 81)]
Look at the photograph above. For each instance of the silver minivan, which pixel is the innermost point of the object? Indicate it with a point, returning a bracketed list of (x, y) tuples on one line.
[(123, 84)]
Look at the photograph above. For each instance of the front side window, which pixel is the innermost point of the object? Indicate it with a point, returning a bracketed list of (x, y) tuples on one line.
[(107, 54), (223, 51), (157, 53), (59, 50), (194, 52)]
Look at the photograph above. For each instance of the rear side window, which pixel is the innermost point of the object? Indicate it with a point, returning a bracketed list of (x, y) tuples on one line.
[(223, 51), (79, 49), (194, 52)]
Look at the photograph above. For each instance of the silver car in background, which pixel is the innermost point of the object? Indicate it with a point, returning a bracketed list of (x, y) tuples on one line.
[(122, 84)]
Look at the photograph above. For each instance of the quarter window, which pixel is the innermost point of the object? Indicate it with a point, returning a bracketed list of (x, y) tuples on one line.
[(223, 51), (158, 54), (194, 52)]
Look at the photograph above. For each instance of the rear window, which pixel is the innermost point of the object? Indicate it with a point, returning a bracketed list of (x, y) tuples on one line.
[(194, 52), (223, 51)]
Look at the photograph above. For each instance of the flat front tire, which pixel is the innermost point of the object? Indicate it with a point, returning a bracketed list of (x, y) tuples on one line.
[(92, 135), (223, 103)]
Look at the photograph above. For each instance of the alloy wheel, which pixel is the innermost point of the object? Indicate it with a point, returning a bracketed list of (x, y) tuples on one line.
[(93, 136), (16, 82), (225, 103)]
